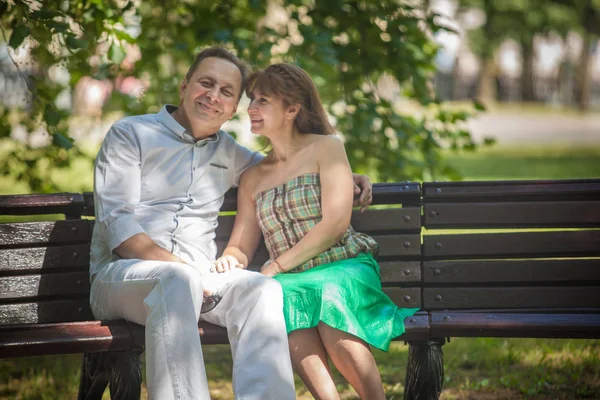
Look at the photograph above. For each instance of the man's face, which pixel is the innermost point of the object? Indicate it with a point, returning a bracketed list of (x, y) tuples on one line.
[(210, 97)]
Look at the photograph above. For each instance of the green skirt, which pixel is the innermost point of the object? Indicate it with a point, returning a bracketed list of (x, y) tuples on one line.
[(345, 295)]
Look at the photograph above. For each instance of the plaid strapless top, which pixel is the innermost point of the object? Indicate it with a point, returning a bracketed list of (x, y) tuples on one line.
[(288, 211)]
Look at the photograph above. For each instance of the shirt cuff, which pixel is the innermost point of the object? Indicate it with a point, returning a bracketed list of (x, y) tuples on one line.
[(122, 229)]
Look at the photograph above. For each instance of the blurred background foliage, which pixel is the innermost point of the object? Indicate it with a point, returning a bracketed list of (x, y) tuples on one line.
[(522, 21), (346, 46), (373, 62)]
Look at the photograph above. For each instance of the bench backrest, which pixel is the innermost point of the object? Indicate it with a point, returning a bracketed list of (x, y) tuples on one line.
[(44, 264), (526, 245), (508, 245)]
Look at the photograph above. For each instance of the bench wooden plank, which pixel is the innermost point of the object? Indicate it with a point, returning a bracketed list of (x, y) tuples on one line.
[(511, 297), (538, 190), (568, 214), (518, 325), (400, 271), (371, 222), (41, 312), (407, 297), (33, 234), (44, 259), (44, 286), (86, 336), (71, 204), (512, 271), (584, 243), (95, 336)]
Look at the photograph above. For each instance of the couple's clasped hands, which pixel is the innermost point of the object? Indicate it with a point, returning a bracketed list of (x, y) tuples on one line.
[(228, 262)]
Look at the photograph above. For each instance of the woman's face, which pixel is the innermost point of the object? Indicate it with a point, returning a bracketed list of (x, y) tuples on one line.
[(267, 114)]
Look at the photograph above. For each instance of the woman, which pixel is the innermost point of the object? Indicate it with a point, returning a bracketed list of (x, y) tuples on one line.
[(300, 196)]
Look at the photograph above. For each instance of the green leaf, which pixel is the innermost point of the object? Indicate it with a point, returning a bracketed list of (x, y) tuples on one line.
[(116, 53), (74, 43), (18, 35), (57, 26), (45, 15), (51, 116), (62, 141)]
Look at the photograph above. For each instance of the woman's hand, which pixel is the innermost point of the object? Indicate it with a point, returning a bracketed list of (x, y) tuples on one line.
[(226, 263), (271, 269)]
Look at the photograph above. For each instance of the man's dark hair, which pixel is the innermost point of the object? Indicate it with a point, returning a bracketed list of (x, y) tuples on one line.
[(224, 54)]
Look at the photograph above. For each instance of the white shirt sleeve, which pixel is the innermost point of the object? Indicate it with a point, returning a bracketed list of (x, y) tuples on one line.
[(117, 185), (244, 159)]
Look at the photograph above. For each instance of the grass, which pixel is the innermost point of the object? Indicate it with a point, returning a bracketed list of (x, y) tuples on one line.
[(548, 162), (475, 368), (479, 368)]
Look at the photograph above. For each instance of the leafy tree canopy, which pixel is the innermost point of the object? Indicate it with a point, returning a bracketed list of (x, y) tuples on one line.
[(346, 46)]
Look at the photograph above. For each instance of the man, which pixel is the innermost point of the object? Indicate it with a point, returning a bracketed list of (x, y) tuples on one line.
[(159, 183)]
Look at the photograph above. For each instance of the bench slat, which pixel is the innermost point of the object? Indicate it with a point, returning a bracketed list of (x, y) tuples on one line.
[(383, 193), (32, 234), (512, 271), (409, 297), (95, 336), (541, 190), (371, 222), (511, 297), (520, 244), (44, 259), (456, 324), (42, 312), (88, 336), (400, 271), (71, 204), (573, 214), (44, 286)]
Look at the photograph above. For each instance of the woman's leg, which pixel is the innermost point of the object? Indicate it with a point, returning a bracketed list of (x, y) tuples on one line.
[(310, 362), (353, 358)]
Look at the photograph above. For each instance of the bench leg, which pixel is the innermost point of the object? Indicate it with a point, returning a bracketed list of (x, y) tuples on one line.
[(425, 370), (95, 373), (122, 370), (126, 375)]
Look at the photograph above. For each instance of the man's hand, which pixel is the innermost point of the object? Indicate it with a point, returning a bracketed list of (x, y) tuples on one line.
[(363, 192), (226, 263)]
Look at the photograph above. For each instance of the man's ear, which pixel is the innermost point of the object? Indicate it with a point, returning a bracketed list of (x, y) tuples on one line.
[(293, 110), (182, 88)]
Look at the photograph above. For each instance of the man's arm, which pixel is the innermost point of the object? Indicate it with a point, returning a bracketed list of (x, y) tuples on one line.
[(117, 187), (142, 247)]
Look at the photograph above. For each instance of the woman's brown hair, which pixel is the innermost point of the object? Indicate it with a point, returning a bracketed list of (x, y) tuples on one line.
[(292, 85)]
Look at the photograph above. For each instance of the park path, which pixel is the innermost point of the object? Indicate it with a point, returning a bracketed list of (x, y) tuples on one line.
[(529, 128)]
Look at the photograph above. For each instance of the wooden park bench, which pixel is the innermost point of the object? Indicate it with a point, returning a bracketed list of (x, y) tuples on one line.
[(481, 259)]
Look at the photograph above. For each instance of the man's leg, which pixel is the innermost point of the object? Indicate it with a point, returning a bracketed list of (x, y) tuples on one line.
[(251, 310), (166, 298)]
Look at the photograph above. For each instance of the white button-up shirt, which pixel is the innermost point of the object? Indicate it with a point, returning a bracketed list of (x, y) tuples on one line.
[(152, 176)]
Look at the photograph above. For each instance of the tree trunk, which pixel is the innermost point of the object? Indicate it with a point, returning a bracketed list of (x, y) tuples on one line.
[(583, 76), (486, 82), (527, 74)]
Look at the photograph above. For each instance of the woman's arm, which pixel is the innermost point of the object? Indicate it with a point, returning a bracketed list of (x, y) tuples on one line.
[(337, 191), (246, 233)]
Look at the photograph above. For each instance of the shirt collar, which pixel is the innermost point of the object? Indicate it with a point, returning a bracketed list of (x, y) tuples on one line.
[(165, 118)]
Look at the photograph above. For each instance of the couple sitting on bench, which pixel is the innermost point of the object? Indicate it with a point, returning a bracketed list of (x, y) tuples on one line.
[(159, 184)]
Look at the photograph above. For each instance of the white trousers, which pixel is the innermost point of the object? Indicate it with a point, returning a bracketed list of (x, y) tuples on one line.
[(166, 298)]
